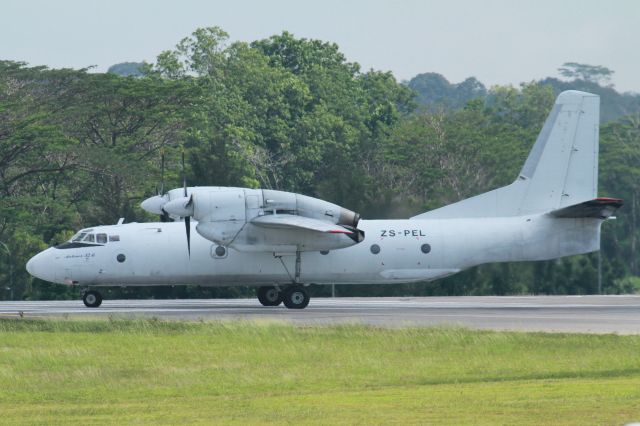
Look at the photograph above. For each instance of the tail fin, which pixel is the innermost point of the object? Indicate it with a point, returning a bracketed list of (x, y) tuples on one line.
[(561, 170)]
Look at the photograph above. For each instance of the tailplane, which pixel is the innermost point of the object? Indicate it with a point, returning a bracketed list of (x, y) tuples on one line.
[(561, 170), (599, 208)]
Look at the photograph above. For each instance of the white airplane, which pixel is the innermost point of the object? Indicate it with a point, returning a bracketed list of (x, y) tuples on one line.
[(282, 242)]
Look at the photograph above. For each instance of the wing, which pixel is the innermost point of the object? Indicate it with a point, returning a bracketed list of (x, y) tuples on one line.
[(599, 208), (289, 221)]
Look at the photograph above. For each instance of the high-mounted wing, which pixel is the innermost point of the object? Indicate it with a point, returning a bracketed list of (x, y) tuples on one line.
[(289, 221)]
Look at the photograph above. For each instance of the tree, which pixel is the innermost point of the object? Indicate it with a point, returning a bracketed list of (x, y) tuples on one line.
[(619, 175), (120, 125), (128, 69), (592, 73), (431, 88), (435, 92), (300, 55)]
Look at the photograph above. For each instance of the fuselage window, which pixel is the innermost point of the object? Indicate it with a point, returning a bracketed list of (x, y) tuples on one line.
[(90, 238), (114, 237), (101, 238)]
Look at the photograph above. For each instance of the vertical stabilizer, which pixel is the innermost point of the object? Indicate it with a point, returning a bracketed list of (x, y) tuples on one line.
[(561, 169)]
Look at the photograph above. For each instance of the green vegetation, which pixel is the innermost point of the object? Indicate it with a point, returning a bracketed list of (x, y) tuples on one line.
[(79, 149), (127, 69), (156, 372), (435, 92), (585, 72)]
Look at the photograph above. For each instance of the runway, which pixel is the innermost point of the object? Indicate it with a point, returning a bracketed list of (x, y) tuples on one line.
[(582, 314)]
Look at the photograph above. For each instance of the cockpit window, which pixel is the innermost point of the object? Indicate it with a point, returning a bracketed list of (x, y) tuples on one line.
[(84, 238), (79, 236)]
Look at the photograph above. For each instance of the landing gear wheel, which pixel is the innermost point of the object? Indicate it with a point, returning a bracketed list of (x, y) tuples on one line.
[(269, 296), (92, 299), (295, 297)]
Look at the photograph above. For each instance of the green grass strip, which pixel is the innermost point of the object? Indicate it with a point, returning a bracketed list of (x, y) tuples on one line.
[(163, 372)]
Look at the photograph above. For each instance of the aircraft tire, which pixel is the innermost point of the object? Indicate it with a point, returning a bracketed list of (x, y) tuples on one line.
[(295, 297), (269, 296), (92, 299)]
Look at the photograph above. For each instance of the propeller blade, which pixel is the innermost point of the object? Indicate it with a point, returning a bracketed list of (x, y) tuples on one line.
[(187, 224), (162, 171), (184, 174), (164, 217)]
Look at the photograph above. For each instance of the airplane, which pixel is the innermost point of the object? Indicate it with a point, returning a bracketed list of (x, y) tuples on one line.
[(282, 242)]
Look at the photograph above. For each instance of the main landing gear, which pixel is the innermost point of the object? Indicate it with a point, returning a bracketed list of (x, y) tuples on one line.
[(92, 298), (269, 296), (293, 297)]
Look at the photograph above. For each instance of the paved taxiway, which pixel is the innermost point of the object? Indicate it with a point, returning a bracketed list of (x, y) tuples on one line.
[(585, 314)]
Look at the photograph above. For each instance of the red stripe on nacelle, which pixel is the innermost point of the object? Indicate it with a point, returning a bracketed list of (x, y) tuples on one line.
[(614, 200)]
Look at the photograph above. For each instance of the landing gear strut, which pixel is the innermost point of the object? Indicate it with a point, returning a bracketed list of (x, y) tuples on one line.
[(269, 296), (92, 299), (294, 296)]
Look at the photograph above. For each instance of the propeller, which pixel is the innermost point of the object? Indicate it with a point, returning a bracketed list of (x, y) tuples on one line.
[(187, 219), (156, 203), (163, 205), (164, 217)]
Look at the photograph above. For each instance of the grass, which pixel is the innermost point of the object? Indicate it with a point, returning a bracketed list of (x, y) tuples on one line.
[(161, 372)]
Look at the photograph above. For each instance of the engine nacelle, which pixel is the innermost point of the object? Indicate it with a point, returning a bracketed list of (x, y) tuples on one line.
[(302, 205), (225, 217)]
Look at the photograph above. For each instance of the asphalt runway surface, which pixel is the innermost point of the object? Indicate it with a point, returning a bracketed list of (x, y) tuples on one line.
[(582, 314)]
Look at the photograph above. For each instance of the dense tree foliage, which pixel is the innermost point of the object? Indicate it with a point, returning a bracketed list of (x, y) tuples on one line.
[(435, 93), (128, 69), (591, 73), (79, 148)]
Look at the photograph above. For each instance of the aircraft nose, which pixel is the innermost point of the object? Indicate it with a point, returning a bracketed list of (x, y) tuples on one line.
[(39, 267), (30, 266)]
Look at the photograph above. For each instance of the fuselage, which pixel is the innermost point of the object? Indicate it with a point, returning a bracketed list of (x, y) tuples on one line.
[(393, 251)]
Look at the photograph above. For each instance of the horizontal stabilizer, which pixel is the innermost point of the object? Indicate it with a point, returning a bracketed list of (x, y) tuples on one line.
[(289, 221), (599, 208)]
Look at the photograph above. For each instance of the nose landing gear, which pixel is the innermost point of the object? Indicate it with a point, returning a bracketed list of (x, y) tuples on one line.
[(92, 298)]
